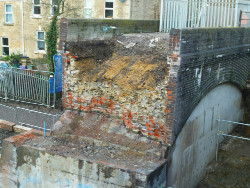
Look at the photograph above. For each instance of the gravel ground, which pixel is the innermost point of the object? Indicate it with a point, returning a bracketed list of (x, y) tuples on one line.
[(233, 166), (104, 153)]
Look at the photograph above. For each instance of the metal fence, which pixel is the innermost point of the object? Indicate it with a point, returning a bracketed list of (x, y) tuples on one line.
[(221, 133), (29, 86), (198, 13)]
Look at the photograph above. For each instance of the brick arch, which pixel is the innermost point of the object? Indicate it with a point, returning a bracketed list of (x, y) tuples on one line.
[(198, 69)]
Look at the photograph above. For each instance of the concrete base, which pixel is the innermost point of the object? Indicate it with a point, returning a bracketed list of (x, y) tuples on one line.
[(29, 160), (196, 144)]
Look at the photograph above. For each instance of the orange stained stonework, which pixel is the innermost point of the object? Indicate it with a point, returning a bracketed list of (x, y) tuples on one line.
[(153, 129), (21, 138)]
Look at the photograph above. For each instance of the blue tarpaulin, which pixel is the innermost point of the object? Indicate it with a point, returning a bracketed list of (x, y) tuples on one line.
[(58, 75)]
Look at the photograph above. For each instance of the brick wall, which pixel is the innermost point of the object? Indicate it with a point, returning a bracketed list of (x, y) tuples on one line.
[(201, 60), (151, 84), (125, 78)]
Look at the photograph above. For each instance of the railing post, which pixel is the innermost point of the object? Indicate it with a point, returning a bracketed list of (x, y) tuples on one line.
[(217, 140), (236, 13), (54, 100), (16, 112), (12, 83), (6, 84)]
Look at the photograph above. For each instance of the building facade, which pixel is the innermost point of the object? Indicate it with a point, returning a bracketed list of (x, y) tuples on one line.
[(23, 23)]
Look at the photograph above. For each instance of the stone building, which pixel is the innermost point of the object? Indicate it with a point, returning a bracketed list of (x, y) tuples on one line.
[(23, 23)]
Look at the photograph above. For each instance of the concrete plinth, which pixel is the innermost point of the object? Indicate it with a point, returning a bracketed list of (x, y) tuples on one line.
[(29, 160)]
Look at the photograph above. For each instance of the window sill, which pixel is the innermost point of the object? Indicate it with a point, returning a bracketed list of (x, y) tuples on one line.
[(36, 16), (39, 52), (8, 24)]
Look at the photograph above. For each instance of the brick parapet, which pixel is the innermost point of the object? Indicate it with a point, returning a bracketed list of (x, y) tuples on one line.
[(207, 58), (63, 34)]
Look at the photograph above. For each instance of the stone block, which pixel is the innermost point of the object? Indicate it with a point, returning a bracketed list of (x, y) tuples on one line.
[(6, 125), (21, 129)]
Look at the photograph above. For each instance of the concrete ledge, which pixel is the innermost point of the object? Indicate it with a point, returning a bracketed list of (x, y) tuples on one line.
[(39, 132), (6, 125), (21, 129), (53, 163)]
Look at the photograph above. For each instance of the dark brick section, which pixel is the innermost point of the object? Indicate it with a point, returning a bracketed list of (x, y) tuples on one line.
[(63, 33), (206, 58), (174, 51)]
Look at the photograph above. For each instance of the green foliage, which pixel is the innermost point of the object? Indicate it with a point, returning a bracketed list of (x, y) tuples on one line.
[(51, 42), (6, 58), (13, 57), (52, 37)]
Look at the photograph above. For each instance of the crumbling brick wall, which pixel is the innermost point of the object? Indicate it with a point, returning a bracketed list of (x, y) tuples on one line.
[(152, 83), (125, 78)]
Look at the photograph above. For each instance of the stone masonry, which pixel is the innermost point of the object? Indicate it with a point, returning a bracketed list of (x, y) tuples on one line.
[(151, 83), (125, 78)]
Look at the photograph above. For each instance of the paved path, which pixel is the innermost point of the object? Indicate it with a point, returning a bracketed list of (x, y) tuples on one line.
[(30, 115)]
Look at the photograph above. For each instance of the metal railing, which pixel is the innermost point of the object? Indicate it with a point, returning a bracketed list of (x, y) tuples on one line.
[(29, 86), (198, 13), (221, 133)]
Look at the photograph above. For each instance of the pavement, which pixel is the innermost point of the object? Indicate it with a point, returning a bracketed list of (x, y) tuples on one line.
[(32, 116)]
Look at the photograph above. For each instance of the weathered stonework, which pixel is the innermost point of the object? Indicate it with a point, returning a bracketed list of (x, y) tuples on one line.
[(29, 160), (127, 81), (195, 61)]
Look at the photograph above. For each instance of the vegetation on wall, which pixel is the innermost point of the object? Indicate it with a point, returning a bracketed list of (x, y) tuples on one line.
[(59, 7), (51, 42)]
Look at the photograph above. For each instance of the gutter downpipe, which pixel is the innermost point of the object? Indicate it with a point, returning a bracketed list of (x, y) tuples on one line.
[(23, 28), (161, 18), (131, 2)]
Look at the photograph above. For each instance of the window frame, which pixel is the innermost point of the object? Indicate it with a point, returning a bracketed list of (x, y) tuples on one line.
[(40, 40), (8, 13), (5, 46), (33, 7), (87, 9), (105, 8)]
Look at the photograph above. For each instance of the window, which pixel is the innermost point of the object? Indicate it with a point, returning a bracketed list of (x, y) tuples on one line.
[(109, 5), (53, 6), (8, 13), (5, 46), (36, 7), (87, 9), (40, 40)]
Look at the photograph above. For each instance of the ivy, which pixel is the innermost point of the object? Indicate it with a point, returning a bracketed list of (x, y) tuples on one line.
[(51, 40)]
